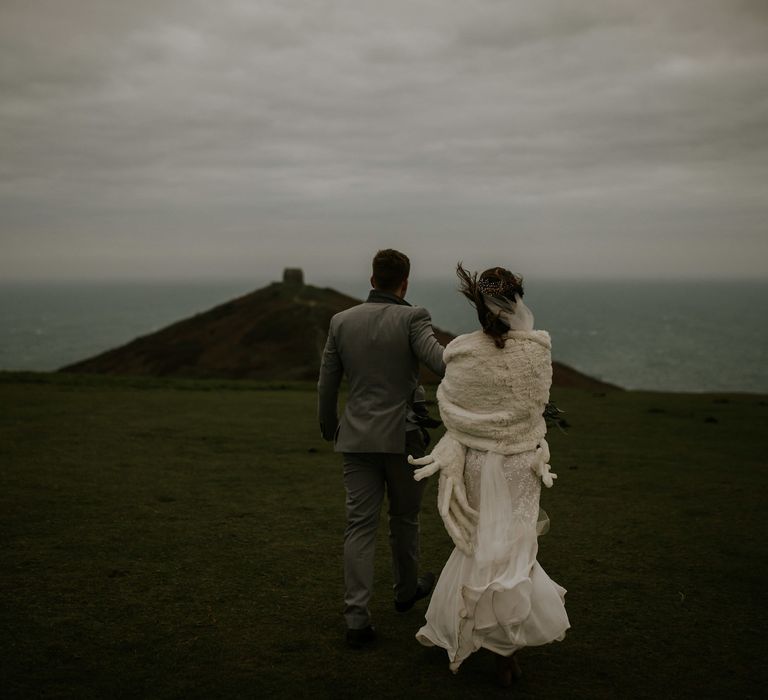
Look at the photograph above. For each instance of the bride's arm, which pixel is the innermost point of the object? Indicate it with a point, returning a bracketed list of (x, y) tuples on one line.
[(459, 517)]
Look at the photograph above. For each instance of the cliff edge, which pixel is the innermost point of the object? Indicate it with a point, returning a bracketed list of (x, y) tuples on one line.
[(277, 332)]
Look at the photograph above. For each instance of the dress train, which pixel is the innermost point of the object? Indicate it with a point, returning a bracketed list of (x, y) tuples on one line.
[(499, 597)]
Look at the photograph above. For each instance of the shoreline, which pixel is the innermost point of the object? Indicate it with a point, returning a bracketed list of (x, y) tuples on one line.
[(225, 383)]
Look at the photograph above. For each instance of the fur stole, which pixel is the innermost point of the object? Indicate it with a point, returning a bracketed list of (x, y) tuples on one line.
[(492, 399)]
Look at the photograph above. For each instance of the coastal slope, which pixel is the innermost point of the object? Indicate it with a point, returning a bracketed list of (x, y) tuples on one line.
[(277, 332)]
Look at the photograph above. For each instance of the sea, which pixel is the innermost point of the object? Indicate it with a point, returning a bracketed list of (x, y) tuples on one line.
[(680, 336)]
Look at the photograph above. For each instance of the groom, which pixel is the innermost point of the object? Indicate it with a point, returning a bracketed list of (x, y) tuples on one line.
[(378, 345)]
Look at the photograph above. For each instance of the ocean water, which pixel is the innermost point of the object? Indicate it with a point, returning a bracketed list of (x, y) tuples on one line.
[(665, 336), (660, 336)]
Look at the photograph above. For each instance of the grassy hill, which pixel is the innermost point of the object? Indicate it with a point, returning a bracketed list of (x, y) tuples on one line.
[(183, 538), (277, 332)]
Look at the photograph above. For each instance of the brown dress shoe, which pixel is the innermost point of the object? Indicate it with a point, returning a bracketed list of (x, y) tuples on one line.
[(507, 670), (423, 588)]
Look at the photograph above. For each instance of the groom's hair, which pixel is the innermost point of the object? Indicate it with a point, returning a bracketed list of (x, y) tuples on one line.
[(390, 269)]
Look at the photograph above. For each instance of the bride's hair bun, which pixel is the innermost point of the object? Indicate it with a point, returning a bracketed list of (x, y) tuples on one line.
[(497, 282)]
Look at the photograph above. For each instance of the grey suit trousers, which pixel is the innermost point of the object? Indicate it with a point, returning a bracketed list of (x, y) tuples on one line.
[(367, 475)]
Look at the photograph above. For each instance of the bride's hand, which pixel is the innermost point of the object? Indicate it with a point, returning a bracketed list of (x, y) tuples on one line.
[(447, 455), (541, 466), (459, 517), (429, 465)]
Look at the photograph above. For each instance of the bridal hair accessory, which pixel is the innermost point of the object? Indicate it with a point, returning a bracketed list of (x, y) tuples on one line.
[(514, 314), (496, 286)]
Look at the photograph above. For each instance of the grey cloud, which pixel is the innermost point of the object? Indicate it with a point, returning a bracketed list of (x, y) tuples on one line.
[(501, 27), (361, 122)]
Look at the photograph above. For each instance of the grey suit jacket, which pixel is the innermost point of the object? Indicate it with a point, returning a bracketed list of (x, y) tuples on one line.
[(378, 345)]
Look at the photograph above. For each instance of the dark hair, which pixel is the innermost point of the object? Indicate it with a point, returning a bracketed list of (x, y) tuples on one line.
[(390, 269), (495, 281)]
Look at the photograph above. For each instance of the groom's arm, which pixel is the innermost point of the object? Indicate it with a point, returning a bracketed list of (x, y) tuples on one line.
[(423, 342), (331, 372)]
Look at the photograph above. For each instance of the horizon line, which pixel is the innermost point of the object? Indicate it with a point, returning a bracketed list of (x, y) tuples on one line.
[(363, 279)]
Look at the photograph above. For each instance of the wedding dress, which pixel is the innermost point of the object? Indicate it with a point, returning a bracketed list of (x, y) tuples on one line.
[(499, 597), (492, 592)]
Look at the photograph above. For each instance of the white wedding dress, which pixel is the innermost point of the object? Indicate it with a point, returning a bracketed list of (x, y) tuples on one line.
[(498, 598)]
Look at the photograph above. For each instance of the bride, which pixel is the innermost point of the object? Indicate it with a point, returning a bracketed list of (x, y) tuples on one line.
[(492, 460)]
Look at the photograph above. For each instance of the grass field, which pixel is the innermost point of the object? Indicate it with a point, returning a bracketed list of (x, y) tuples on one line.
[(183, 539)]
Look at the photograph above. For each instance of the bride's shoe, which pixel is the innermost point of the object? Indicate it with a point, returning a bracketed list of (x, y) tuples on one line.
[(507, 670)]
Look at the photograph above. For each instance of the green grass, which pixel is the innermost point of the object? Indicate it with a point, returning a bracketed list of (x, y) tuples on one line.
[(170, 538)]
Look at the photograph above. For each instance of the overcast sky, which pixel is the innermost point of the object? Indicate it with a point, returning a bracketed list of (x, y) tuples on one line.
[(596, 138)]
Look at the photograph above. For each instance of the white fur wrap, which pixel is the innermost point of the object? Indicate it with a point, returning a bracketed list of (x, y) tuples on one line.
[(492, 399)]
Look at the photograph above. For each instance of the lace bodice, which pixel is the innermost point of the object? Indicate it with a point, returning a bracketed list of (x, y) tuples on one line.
[(524, 485)]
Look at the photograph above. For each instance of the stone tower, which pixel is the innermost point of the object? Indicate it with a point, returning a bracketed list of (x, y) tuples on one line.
[(293, 276)]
